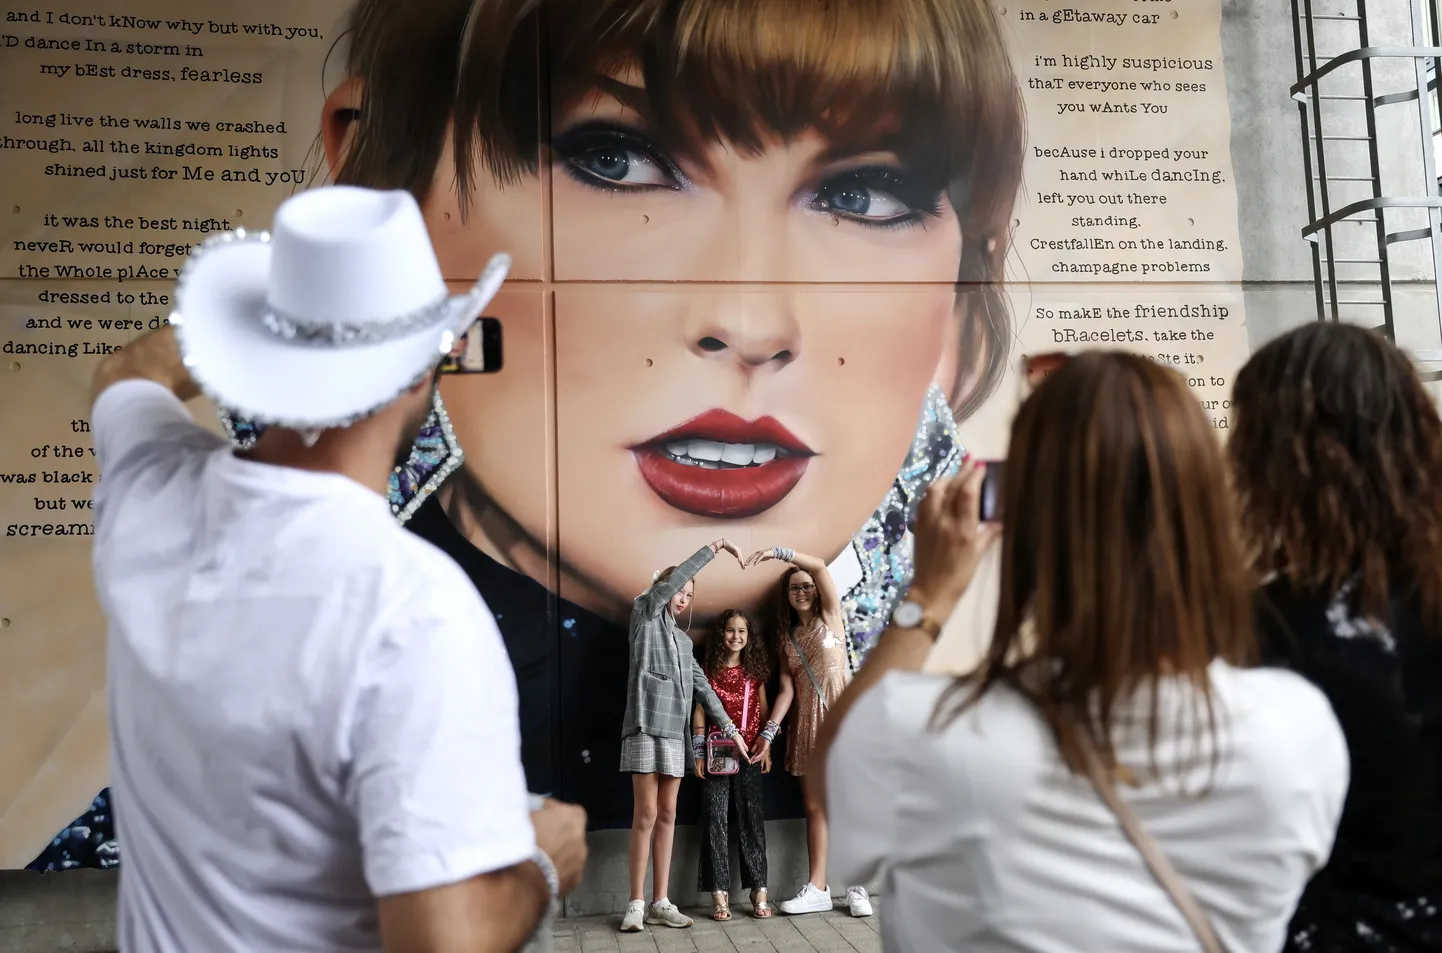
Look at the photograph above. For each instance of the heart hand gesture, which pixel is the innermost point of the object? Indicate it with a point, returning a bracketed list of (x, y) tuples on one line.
[(763, 555), (727, 546)]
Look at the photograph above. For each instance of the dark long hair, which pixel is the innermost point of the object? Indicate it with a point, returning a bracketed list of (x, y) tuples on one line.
[(1337, 458), (1119, 554), (755, 657)]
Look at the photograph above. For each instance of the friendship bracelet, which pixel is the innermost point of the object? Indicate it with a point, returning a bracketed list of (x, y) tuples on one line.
[(770, 732), (784, 554), (548, 870), (698, 744)]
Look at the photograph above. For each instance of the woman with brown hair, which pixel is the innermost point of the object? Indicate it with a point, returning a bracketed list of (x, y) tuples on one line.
[(998, 807), (1337, 460), (811, 645)]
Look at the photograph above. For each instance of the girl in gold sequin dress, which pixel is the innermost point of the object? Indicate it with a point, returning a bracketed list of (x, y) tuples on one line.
[(812, 637)]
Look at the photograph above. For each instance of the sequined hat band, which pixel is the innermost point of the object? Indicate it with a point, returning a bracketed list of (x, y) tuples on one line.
[(344, 334)]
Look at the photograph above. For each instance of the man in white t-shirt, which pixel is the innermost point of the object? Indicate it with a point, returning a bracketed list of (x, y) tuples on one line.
[(314, 736)]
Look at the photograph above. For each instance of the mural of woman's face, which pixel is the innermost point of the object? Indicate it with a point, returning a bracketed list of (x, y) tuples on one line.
[(754, 401)]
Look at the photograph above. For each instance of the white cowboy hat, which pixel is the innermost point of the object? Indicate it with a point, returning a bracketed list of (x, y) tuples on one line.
[(329, 317)]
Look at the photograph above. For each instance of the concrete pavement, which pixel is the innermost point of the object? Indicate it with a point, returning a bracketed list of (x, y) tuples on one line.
[(834, 932), (74, 912)]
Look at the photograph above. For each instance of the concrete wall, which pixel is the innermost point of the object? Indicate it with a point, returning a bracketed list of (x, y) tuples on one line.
[(1271, 187)]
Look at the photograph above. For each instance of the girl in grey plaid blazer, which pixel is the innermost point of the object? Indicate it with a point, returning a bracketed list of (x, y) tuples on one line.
[(665, 680)]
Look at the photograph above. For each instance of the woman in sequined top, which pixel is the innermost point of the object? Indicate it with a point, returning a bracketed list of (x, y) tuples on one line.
[(811, 632), (1336, 451), (738, 663)]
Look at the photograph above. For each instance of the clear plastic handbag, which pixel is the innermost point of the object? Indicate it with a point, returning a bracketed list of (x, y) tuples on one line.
[(723, 756)]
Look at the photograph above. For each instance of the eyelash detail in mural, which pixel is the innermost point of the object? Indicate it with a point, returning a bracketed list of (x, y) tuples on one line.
[(611, 141), (613, 145), (871, 183)]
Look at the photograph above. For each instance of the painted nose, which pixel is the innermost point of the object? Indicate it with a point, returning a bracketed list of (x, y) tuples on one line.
[(756, 331)]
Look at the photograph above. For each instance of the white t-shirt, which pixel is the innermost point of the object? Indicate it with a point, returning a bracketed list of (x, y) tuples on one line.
[(987, 843), (309, 706)]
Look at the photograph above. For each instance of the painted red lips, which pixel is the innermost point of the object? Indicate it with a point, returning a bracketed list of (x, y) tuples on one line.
[(721, 466)]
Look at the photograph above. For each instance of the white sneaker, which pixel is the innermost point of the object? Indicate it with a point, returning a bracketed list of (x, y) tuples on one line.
[(635, 915), (859, 901), (809, 900), (664, 913)]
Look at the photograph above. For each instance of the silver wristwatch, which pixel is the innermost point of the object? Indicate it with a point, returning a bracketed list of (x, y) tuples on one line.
[(913, 615)]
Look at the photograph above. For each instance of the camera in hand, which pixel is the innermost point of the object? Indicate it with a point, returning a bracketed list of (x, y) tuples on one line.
[(480, 350), (991, 491)]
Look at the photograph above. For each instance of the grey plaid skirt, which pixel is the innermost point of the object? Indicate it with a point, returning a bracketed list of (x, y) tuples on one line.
[(646, 754)]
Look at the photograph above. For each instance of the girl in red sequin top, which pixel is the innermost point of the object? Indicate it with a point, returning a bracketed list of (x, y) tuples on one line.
[(737, 664)]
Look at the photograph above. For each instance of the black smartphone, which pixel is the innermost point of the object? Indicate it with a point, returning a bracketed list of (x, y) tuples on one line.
[(481, 351), (991, 491)]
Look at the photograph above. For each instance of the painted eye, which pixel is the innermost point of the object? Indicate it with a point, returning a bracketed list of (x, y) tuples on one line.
[(877, 197), (620, 166), (859, 201)]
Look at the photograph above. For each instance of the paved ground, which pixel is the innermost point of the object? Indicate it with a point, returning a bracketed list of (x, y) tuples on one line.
[(835, 932)]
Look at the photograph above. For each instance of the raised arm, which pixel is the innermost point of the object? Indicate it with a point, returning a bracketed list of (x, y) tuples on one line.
[(827, 596), (154, 356), (949, 545), (653, 600)]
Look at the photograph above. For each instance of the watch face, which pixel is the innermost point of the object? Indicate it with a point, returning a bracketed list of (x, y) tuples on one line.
[(908, 615)]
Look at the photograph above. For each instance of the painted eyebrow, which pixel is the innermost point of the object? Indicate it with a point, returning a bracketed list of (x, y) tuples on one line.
[(632, 97), (838, 153)]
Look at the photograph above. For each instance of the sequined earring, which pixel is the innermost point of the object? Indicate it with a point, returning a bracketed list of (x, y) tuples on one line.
[(435, 455), (883, 546), (240, 432)]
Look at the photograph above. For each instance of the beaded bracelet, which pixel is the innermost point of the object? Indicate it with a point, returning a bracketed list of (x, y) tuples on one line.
[(548, 870), (698, 745), (770, 732), (784, 554)]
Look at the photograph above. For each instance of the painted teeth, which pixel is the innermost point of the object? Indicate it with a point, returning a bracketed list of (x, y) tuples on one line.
[(713, 454)]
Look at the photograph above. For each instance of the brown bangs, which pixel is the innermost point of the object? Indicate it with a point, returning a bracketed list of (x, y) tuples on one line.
[(927, 79)]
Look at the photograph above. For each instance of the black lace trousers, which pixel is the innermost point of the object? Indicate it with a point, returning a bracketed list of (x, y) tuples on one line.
[(726, 798)]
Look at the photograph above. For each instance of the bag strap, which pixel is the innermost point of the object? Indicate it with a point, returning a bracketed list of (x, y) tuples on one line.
[(746, 704), (809, 674), (1161, 868)]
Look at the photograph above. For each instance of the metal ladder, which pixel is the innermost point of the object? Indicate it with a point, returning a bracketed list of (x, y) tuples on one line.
[(1347, 208)]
